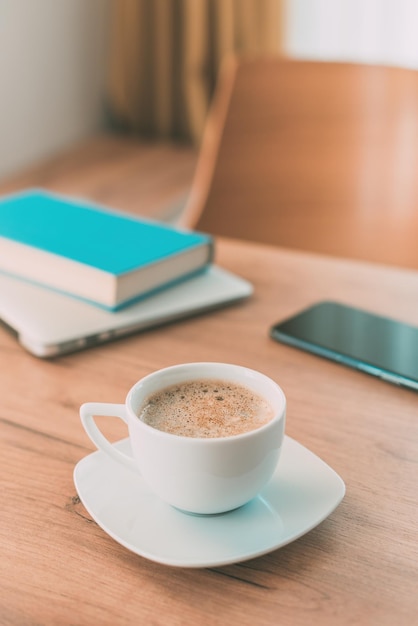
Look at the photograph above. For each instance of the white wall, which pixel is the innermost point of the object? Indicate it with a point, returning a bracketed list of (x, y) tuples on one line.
[(372, 31), (52, 73)]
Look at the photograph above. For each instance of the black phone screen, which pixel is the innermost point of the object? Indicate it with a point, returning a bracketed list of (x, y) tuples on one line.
[(375, 344)]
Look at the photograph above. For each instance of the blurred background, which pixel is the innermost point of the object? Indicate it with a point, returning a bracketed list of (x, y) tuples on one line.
[(72, 68)]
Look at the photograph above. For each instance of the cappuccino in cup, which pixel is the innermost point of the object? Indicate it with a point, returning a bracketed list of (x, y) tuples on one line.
[(206, 408), (205, 437)]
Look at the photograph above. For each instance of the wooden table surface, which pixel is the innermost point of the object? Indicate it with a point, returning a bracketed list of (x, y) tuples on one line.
[(360, 566), (152, 179)]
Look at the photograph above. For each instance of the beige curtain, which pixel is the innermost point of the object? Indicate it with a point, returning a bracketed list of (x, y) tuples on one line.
[(165, 55)]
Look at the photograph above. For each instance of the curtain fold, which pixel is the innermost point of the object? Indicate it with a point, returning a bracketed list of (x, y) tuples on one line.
[(165, 56)]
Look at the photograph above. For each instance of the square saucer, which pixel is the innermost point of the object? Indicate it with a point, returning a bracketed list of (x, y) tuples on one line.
[(302, 493)]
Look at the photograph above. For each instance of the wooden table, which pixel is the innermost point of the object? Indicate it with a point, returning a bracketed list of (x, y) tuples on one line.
[(360, 566), (152, 179)]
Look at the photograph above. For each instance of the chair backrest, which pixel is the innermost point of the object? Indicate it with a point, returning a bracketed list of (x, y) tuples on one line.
[(312, 155)]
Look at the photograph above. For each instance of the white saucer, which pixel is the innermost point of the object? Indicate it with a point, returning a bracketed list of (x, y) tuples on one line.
[(301, 494)]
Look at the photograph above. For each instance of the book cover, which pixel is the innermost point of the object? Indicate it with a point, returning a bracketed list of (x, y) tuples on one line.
[(100, 255)]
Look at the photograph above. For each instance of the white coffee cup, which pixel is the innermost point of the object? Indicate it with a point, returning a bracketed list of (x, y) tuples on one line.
[(196, 475)]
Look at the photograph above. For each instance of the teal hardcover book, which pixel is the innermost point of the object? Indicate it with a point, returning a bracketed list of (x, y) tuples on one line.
[(105, 257)]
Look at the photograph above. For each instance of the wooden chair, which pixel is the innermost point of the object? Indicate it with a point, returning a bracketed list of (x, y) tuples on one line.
[(311, 155)]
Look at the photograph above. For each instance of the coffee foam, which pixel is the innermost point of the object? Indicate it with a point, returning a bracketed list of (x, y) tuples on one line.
[(206, 408)]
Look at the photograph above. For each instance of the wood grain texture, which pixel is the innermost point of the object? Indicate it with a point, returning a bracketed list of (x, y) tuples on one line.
[(313, 156), (360, 566)]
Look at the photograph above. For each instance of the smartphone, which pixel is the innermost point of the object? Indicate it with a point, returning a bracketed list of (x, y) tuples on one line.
[(371, 343)]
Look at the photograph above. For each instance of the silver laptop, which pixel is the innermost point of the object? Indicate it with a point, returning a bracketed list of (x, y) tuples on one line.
[(48, 324)]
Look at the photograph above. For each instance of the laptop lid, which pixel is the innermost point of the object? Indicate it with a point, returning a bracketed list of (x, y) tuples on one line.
[(47, 323)]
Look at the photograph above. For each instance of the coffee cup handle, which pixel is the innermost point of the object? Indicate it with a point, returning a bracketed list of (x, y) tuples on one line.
[(87, 413)]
